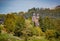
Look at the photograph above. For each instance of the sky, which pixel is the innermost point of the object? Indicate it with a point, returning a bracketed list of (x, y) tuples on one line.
[(7, 6)]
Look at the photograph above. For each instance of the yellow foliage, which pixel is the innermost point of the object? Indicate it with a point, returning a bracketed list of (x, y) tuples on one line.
[(28, 23), (39, 31), (50, 33)]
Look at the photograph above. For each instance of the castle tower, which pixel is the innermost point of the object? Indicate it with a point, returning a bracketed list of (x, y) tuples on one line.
[(37, 16), (35, 19)]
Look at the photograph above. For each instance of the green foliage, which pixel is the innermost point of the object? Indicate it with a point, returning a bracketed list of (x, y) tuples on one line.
[(47, 23), (1, 28), (21, 25), (10, 22), (4, 37), (27, 29), (37, 38), (37, 31), (8, 37), (50, 34)]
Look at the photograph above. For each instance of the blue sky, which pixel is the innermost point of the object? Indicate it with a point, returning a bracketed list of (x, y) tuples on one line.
[(7, 6)]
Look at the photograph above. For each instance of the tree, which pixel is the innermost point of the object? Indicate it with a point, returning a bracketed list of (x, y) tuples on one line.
[(9, 22), (20, 22)]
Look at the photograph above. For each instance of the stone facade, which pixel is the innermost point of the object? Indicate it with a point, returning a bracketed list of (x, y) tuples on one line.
[(35, 19)]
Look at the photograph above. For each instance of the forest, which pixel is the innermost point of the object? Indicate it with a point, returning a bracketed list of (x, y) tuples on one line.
[(19, 26)]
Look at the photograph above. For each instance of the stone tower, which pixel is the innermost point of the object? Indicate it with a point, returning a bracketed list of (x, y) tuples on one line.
[(35, 19)]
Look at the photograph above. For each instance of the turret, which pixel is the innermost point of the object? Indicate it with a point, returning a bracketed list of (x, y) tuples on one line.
[(35, 19)]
